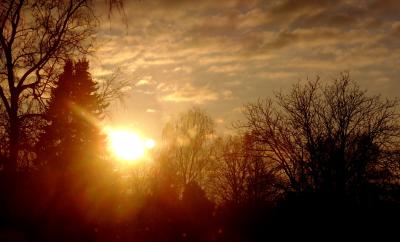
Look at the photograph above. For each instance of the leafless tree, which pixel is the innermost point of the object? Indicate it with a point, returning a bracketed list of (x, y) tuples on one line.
[(187, 145), (230, 171), (114, 88), (332, 138), (241, 174), (35, 36)]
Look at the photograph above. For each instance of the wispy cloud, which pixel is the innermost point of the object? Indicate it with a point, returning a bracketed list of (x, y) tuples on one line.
[(150, 110), (233, 51), (188, 93)]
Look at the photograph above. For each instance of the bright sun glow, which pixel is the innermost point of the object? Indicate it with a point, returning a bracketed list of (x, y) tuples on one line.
[(127, 145), (150, 144)]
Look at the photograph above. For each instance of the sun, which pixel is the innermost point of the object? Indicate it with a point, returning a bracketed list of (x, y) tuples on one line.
[(127, 145)]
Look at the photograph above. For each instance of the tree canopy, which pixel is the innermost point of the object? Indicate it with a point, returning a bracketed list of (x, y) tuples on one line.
[(73, 114), (35, 37), (331, 138)]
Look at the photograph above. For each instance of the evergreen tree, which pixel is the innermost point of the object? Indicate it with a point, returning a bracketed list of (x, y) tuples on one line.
[(50, 146), (87, 110), (71, 148), (73, 113)]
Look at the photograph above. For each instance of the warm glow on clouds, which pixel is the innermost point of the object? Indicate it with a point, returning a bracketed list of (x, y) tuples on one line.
[(221, 54), (191, 94), (149, 110), (142, 82)]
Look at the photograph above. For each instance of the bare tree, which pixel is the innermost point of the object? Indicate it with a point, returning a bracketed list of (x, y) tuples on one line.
[(114, 88), (230, 171), (241, 174), (35, 36), (187, 145), (330, 138)]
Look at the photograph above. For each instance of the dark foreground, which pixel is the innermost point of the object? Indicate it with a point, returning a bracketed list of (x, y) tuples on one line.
[(42, 208)]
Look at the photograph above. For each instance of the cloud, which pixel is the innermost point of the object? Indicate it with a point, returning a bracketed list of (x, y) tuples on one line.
[(219, 120), (234, 51), (188, 93), (227, 94), (227, 69), (150, 110), (185, 69), (126, 89), (145, 81), (142, 82)]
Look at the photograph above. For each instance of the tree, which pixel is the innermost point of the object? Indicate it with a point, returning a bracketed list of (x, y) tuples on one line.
[(34, 37), (187, 146), (331, 139), (88, 109), (57, 115), (230, 171), (71, 149), (241, 173), (73, 113)]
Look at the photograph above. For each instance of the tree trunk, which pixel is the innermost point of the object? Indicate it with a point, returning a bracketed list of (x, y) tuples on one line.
[(11, 164)]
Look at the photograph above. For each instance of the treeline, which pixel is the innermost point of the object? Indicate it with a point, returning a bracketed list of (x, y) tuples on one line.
[(322, 156), (330, 139)]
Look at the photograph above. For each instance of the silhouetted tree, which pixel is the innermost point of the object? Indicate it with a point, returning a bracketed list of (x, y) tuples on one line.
[(59, 113), (186, 148), (34, 37), (73, 114), (241, 174), (3, 134), (71, 147), (332, 139), (230, 171), (262, 181)]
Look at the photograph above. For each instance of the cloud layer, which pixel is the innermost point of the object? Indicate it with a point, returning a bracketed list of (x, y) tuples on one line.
[(221, 54)]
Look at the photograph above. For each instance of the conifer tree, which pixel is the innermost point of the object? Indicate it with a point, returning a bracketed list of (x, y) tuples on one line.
[(51, 144), (73, 113), (87, 110)]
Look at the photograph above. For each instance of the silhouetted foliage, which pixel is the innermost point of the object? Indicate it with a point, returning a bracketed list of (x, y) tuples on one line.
[(64, 192), (241, 174), (334, 145), (73, 114), (34, 37), (312, 156)]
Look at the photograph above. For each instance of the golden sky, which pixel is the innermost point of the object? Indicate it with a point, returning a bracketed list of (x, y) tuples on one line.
[(220, 55)]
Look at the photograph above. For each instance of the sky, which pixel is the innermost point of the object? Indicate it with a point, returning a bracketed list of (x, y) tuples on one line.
[(220, 55)]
